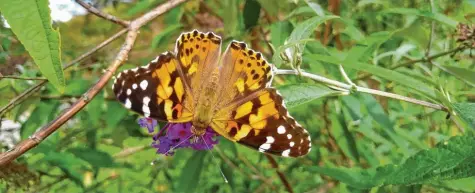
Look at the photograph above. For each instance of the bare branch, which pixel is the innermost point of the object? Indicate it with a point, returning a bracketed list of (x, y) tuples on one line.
[(101, 14), (27, 93), (51, 127)]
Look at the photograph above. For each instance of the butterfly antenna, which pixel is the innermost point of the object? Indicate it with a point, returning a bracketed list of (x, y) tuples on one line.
[(212, 155), (172, 148)]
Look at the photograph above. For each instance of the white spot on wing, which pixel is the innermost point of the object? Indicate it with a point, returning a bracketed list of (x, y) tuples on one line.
[(264, 147), (289, 136), (129, 91), (134, 86), (291, 144), (154, 61), (145, 108), (270, 139), (286, 153), (281, 129), (144, 84), (128, 104), (135, 69)]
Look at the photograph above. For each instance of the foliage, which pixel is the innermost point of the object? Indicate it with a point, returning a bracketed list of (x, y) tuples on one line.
[(31, 22), (361, 142)]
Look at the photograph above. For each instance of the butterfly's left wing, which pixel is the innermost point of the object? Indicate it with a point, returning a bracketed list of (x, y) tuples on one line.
[(262, 122), (155, 90)]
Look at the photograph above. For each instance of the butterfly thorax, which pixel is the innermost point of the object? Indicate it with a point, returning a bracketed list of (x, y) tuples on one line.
[(204, 109)]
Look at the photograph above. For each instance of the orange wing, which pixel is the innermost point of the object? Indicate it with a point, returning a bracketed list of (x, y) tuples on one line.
[(263, 123), (155, 90)]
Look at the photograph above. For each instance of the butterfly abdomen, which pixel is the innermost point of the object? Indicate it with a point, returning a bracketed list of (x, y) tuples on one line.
[(204, 110)]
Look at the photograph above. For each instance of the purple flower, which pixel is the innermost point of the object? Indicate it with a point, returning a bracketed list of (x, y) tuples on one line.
[(178, 135), (149, 123)]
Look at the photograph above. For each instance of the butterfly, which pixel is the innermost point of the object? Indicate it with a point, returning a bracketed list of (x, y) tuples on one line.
[(230, 92)]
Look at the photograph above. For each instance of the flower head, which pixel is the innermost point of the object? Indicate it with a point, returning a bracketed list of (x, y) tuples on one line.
[(149, 123), (178, 135)]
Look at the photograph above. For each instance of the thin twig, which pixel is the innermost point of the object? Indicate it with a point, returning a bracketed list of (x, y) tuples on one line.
[(21, 78), (51, 127), (363, 89), (425, 59), (281, 175), (27, 93), (101, 14)]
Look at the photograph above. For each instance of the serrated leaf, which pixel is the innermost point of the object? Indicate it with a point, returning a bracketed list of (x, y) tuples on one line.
[(467, 112), (449, 160), (191, 172), (297, 94), (31, 22), (94, 157), (251, 12)]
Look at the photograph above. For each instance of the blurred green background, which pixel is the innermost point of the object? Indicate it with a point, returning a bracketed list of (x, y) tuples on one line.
[(361, 142)]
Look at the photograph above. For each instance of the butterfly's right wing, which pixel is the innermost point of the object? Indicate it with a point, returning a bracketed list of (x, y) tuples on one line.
[(156, 90), (262, 122)]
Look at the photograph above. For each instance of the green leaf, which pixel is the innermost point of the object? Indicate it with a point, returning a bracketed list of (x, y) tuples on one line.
[(43, 113), (304, 30), (467, 112), (68, 163), (449, 160), (158, 39), (301, 31), (230, 15), (297, 94), (30, 21), (114, 114), (316, 7), (251, 12), (467, 75), (190, 174), (376, 111), (94, 109), (435, 16), (365, 49), (94, 157), (280, 31), (358, 178)]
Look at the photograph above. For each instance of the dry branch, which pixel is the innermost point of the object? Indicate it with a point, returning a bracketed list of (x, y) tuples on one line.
[(51, 127)]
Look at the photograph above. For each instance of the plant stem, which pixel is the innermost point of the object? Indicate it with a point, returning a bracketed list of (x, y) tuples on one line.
[(101, 14), (362, 89)]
